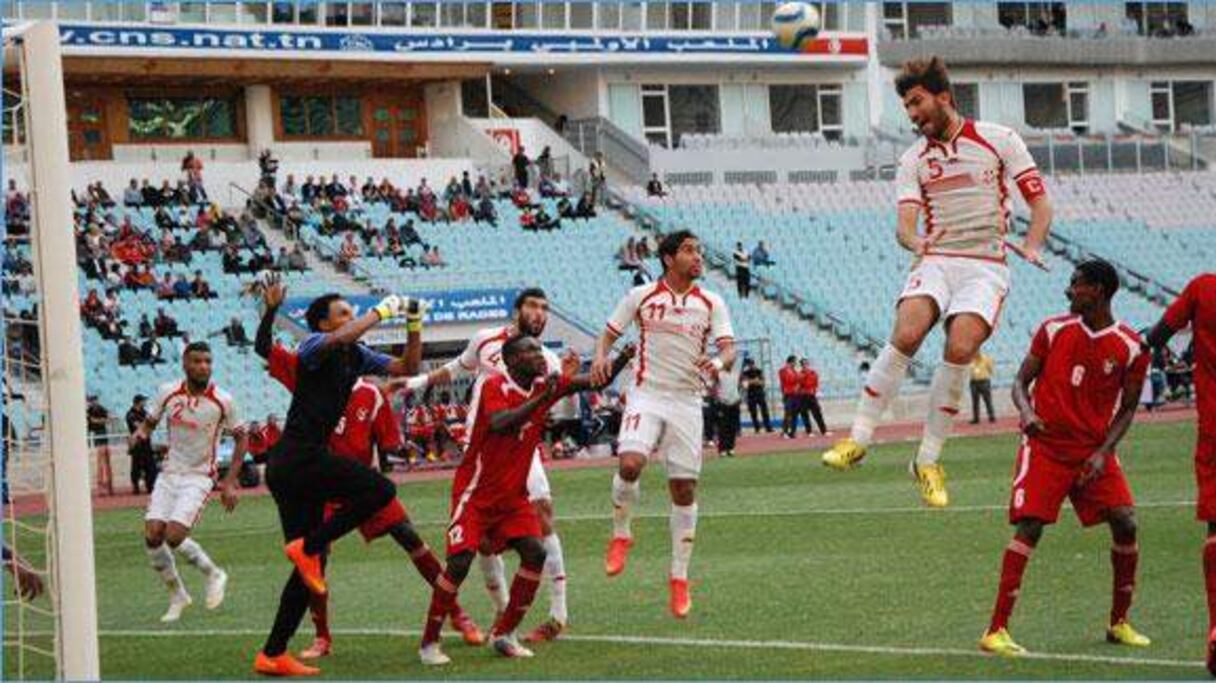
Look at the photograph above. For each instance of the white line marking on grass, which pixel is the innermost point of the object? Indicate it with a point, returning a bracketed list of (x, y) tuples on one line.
[(809, 646)]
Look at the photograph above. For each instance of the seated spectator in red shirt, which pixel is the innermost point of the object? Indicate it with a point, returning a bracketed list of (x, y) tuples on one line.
[(92, 307), (459, 208), (428, 209), (527, 220)]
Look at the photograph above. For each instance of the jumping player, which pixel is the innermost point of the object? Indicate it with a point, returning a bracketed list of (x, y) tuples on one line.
[(1197, 307), (490, 498), (367, 425), (482, 357), (303, 474), (1087, 369), (677, 320), (197, 411), (958, 176)]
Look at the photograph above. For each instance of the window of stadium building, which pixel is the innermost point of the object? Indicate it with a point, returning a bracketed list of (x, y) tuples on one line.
[(1178, 104), (694, 109), (905, 19), (321, 116), (1040, 17), (1158, 18), (182, 118), (806, 109), (1057, 106)]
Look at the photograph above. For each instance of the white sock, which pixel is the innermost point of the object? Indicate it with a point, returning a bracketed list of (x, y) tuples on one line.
[(624, 495), (555, 569), (196, 556), (162, 562), (945, 396), (496, 579), (882, 385), (683, 533)]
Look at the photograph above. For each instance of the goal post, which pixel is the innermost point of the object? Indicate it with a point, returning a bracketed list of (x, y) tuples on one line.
[(52, 249)]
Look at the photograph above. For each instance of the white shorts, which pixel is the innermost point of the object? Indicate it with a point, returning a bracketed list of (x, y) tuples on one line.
[(670, 426), (538, 481), (179, 498), (961, 285)]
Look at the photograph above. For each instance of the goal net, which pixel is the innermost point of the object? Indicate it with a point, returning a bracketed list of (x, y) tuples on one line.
[(49, 597)]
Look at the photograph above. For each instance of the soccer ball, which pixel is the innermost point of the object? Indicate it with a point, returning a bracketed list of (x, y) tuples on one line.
[(796, 23)]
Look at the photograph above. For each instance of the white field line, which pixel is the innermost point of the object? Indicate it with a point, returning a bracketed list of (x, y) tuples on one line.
[(795, 645)]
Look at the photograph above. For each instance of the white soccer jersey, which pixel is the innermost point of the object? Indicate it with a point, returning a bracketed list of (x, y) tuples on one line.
[(963, 187), (675, 331), (194, 424), (483, 355)]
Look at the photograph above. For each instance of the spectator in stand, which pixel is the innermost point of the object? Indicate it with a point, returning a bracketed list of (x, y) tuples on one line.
[(422, 427), (231, 260), (527, 219), (296, 259), (92, 306), (200, 288), (452, 190), (757, 401), (111, 306), (432, 258), (290, 189), (143, 460), (743, 271), (760, 256), (483, 189), (132, 197), (98, 194), (310, 190), (272, 431), (485, 212), (145, 326), (348, 253), (586, 206), (459, 209), (466, 185), (181, 288), (598, 171), (654, 188), (143, 278), (521, 197), (981, 386), (726, 402), (151, 352), (519, 163), (808, 381), (335, 188), (627, 256), (99, 440), (546, 222), (165, 290), (128, 352), (234, 334), (149, 194), (165, 325), (428, 207), (192, 166), (791, 398), (544, 163)]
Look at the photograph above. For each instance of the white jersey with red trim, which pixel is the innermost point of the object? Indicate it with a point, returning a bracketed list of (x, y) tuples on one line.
[(194, 424), (963, 187), (674, 333), (483, 355)]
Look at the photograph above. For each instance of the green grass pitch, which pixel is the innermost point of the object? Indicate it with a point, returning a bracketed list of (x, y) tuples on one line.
[(798, 572)]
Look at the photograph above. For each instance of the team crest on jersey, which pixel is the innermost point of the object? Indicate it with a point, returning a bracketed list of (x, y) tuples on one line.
[(1109, 366), (362, 415)]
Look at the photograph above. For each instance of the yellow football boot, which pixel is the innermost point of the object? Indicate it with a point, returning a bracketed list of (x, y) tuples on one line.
[(844, 455), (1001, 643)]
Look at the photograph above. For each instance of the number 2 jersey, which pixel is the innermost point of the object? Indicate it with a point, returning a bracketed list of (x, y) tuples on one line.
[(1080, 382), (194, 423)]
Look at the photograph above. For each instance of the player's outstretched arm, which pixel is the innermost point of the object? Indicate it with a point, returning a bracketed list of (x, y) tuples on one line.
[(587, 381), (411, 358), (601, 368), (391, 306), (1032, 365), (272, 295), (511, 419), (1041, 213)]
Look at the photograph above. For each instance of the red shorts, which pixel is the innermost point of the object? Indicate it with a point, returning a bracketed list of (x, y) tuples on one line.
[(1205, 478), (1041, 484), (378, 524), (496, 524)]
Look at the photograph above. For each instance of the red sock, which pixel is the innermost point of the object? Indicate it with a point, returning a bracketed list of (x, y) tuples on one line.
[(319, 606), (426, 563), (1209, 578), (523, 589), (1017, 554), (442, 599), (1123, 559)]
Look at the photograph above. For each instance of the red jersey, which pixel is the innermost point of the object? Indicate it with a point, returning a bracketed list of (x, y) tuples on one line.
[(1196, 306), (790, 380), (422, 422), (808, 382), (495, 467), (367, 422), (1078, 389)]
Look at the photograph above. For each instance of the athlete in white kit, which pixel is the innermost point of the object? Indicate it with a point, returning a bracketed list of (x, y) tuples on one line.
[(198, 412), (482, 358), (677, 321), (958, 176)]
